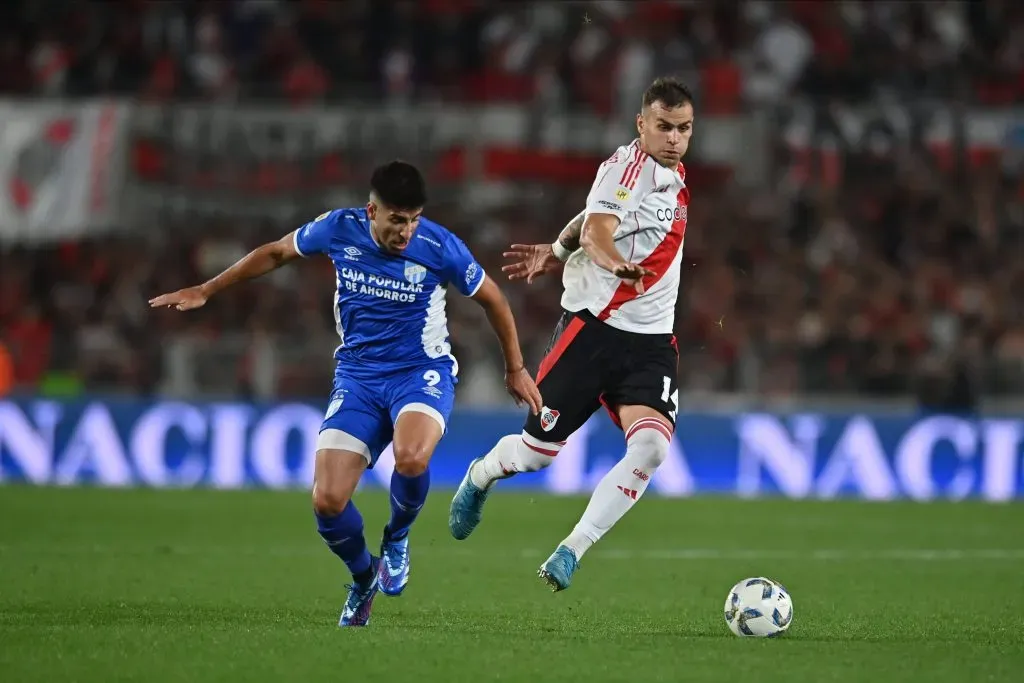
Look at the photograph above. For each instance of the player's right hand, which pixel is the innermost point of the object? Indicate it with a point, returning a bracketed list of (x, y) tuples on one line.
[(183, 300), (634, 274), (533, 261), (522, 388)]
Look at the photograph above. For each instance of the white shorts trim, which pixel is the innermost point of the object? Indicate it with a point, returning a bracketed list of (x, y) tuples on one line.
[(424, 408), (337, 440)]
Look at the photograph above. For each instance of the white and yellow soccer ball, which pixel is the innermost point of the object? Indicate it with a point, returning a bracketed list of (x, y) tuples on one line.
[(758, 608)]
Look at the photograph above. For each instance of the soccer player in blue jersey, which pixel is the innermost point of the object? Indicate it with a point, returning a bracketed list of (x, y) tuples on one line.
[(395, 377)]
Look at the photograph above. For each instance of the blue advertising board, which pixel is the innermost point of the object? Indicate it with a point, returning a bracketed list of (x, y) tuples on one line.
[(233, 445)]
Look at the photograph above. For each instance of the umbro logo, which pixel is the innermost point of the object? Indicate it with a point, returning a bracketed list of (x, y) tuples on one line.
[(352, 254)]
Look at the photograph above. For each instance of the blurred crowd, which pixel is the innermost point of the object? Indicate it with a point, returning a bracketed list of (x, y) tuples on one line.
[(903, 280), (735, 52)]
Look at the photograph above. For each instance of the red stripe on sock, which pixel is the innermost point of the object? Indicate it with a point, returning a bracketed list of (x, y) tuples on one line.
[(650, 423), (542, 451), (643, 421)]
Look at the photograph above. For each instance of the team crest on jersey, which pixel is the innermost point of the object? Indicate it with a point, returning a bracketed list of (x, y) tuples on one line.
[(415, 273), (622, 194), (548, 418)]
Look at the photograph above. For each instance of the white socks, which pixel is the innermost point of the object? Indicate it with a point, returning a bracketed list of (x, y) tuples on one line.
[(512, 454), (647, 444)]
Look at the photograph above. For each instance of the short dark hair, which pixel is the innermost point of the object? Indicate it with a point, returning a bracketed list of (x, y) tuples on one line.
[(400, 185), (670, 92)]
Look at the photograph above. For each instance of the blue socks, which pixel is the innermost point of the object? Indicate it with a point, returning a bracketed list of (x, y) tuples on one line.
[(407, 497), (343, 534)]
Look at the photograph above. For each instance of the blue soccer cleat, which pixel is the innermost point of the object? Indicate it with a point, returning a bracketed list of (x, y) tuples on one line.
[(467, 506), (393, 568), (359, 602), (558, 569)]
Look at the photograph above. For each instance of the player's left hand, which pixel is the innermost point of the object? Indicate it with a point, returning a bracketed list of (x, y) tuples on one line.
[(638, 285), (184, 299), (633, 274), (522, 388)]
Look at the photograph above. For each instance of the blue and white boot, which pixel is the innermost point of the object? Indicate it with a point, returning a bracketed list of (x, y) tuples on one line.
[(467, 506), (558, 569), (360, 601), (393, 569)]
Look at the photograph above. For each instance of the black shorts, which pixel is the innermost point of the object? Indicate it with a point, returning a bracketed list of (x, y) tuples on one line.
[(590, 363)]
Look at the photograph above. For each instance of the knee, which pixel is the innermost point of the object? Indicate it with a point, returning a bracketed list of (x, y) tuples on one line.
[(651, 446), (411, 460), (659, 451), (328, 503)]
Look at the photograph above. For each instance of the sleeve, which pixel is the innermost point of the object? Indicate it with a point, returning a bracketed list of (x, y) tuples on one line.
[(314, 237), (461, 269), (616, 189)]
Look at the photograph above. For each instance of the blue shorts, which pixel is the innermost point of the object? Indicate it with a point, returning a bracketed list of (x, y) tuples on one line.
[(364, 409)]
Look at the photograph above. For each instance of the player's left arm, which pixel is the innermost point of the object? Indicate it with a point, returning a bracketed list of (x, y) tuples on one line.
[(469, 278), (499, 315), (612, 197)]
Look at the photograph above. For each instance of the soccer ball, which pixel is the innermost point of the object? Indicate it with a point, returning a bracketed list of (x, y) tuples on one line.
[(758, 607)]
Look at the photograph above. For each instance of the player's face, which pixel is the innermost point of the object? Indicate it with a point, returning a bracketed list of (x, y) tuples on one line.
[(392, 227), (665, 132)]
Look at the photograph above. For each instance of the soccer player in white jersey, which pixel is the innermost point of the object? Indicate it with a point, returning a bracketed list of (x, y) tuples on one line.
[(395, 375), (614, 345)]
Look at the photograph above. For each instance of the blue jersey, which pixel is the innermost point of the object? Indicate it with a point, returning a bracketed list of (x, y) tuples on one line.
[(390, 308)]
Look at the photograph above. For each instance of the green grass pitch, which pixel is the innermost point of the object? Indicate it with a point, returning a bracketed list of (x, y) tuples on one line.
[(160, 586)]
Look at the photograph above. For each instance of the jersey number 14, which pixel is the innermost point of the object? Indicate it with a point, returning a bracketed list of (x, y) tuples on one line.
[(666, 397)]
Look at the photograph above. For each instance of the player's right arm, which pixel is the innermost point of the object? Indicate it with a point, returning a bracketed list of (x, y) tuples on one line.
[(313, 237), (463, 271), (569, 239), (613, 195)]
